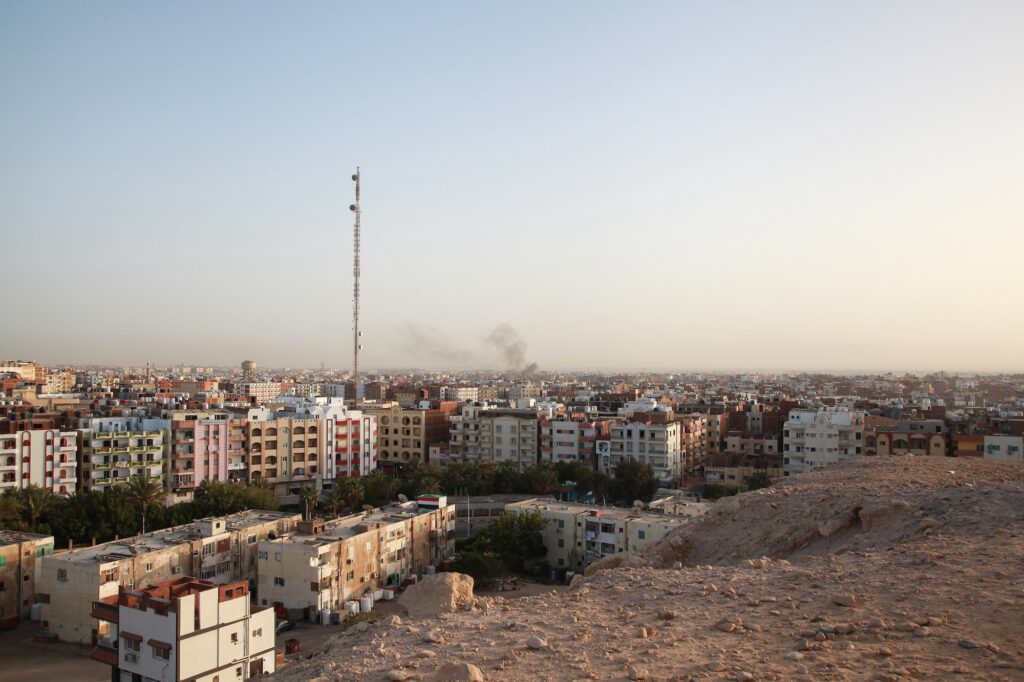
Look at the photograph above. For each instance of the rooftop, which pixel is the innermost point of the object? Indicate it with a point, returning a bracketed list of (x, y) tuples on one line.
[(115, 550), (13, 537), (356, 524)]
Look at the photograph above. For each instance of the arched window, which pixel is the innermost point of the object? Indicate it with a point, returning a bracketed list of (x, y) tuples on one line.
[(257, 432), (271, 431)]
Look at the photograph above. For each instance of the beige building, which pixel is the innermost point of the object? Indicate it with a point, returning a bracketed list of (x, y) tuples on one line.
[(284, 451), (323, 564), (19, 573), (185, 630), (404, 435), (489, 434), (577, 535), (217, 549)]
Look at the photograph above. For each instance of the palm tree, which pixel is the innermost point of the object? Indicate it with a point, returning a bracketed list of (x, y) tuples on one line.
[(351, 490), (36, 501), (144, 492), (10, 510), (309, 497)]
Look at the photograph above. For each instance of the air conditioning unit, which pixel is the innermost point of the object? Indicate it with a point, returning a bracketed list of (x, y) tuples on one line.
[(131, 658)]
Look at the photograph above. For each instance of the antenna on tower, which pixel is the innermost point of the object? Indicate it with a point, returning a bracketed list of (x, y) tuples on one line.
[(355, 288)]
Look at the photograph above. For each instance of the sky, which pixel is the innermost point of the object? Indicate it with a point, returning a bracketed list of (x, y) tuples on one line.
[(651, 185)]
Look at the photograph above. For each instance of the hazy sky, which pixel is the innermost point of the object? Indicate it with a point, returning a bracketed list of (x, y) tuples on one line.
[(714, 185)]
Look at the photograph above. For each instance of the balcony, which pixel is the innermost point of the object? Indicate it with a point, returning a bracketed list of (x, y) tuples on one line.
[(104, 611)]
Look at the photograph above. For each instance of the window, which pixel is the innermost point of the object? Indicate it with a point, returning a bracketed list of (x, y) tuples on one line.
[(62, 575), (642, 535), (149, 567), (252, 539), (279, 582), (234, 638), (258, 632), (161, 653), (561, 523), (133, 645), (263, 555), (208, 549)]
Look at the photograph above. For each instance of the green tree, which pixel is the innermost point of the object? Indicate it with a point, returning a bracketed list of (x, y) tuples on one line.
[(539, 480), (144, 493), (379, 488), (633, 480), (515, 538), (508, 479), (714, 491), (10, 511), (308, 498), (482, 566), (36, 502)]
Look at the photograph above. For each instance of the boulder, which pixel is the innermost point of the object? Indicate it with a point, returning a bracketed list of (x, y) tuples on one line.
[(440, 593), (458, 672), (621, 560)]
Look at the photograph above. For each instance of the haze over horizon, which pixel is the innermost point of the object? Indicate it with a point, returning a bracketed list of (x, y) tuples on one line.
[(652, 186)]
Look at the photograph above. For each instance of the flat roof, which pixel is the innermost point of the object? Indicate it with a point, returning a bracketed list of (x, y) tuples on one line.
[(13, 537), (356, 524), (126, 548), (604, 512)]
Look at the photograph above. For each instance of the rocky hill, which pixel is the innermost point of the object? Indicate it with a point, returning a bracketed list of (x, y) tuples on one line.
[(878, 569)]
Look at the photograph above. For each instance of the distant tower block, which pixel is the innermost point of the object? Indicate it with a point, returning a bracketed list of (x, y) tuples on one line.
[(356, 334), (248, 370)]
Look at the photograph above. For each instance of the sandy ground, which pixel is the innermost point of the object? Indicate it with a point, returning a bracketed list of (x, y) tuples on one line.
[(25, 655)]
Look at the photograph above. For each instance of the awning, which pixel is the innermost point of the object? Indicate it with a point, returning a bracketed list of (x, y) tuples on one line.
[(131, 636), (157, 644)]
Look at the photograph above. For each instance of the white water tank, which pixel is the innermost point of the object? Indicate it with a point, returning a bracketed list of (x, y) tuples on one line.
[(325, 616), (352, 607), (365, 604)]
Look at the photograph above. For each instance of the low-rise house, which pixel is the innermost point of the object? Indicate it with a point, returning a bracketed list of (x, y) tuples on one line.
[(220, 549), (323, 564), (19, 572), (577, 535), (185, 630)]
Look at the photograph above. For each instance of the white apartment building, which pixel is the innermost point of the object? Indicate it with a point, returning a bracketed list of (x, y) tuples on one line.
[(1004, 448), (116, 448), (218, 549), (185, 630), (323, 564), (565, 440), (577, 535), (650, 442), (47, 458), (461, 394), (820, 438), (258, 392)]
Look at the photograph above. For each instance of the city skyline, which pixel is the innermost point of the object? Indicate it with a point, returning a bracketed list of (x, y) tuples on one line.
[(668, 186)]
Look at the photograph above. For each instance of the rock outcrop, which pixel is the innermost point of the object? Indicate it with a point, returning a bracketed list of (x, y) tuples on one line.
[(436, 594), (881, 569)]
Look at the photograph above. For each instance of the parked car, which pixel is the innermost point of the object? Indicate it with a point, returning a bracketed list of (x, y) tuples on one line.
[(284, 625)]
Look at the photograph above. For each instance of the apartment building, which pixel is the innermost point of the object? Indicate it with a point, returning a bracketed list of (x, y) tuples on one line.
[(185, 630), (460, 393), (256, 392), (19, 573), (404, 435), (735, 469), (748, 443), (58, 382), (509, 435), (577, 535), (693, 441), (199, 450), (651, 439), (325, 563), (47, 458), (117, 448), (908, 437), (349, 437), (218, 549), (819, 438), (565, 439), (284, 450), (524, 391)]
